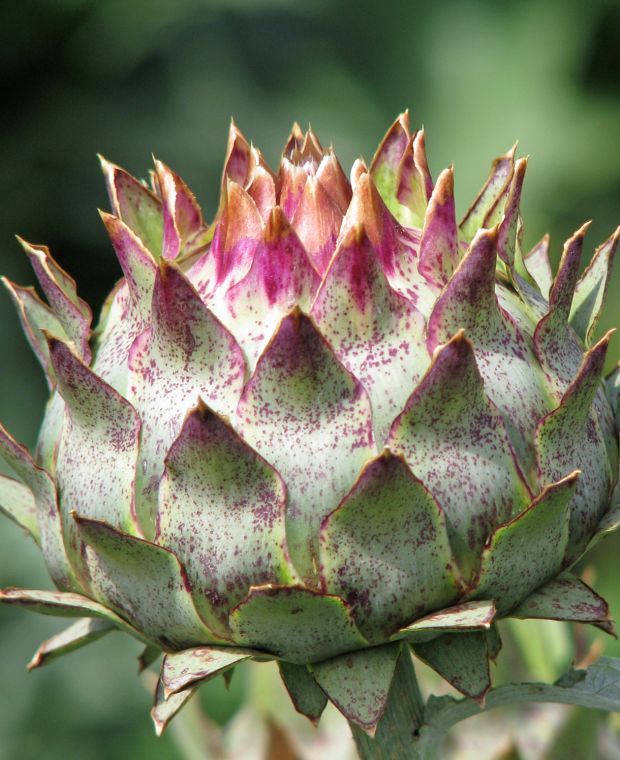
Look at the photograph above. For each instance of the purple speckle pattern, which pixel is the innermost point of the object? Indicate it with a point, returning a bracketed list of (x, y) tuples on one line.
[(567, 598), (181, 670), (534, 542), (182, 218), (222, 508), (504, 352), (308, 416), (36, 317), (73, 314), (329, 419), (455, 442), (439, 242), (488, 201), (102, 428), (385, 550), (136, 205), (185, 353), (375, 332), (358, 683), (43, 489), (570, 438), (462, 659), (144, 584), (557, 347), (295, 623)]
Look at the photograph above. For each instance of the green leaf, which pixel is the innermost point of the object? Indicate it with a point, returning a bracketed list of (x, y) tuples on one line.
[(49, 432), (221, 510), (454, 439), (462, 659), (567, 598), (74, 637), (306, 696), (144, 583), (374, 331), (181, 670), (598, 688), (311, 420), (17, 502), (591, 289), (385, 550), (358, 683), (569, 439), (295, 624), (184, 354), (465, 617), (528, 550)]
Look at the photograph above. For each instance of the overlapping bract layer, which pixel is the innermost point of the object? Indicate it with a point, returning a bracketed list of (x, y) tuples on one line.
[(329, 424)]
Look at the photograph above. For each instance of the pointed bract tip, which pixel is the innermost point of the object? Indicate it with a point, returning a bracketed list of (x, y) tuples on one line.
[(31, 249), (53, 343), (277, 225), (444, 187), (106, 166), (36, 661), (569, 479), (521, 166), (353, 236), (160, 725), (490, 233), (110, 220), (167, 269), (581, 232), (607, 337), (295, 313), (481, 699)]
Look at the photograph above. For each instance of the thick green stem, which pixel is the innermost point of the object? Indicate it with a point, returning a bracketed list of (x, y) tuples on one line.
[(398, 728)]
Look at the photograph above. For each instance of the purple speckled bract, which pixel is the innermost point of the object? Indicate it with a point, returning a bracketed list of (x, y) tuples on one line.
[(330, 427)]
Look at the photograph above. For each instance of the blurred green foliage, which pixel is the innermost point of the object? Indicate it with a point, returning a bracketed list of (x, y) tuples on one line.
[(131, 77)]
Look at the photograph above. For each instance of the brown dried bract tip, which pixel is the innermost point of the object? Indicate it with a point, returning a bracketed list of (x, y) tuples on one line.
[(276, 226)]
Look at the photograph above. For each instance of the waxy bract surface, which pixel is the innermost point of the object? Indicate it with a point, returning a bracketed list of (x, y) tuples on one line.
[(330, 425)]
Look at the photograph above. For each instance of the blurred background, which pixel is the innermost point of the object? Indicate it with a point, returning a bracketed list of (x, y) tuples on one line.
[(128, 78)]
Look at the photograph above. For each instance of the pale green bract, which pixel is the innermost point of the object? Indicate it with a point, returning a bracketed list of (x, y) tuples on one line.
[(331, 427)]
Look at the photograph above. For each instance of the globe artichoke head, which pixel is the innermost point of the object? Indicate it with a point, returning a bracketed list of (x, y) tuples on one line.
[(332, 426)]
